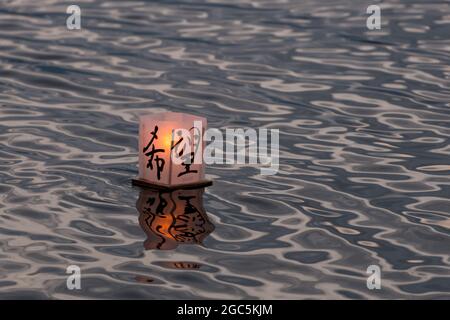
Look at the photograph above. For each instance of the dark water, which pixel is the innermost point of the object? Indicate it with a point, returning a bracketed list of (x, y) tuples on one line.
[(364, 131)]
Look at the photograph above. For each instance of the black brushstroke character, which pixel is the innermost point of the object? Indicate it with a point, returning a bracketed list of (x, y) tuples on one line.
[(187, 166), (191, 224), (153, 151)]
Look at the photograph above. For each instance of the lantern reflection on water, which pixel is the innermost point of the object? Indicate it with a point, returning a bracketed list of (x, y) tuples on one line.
[(172, 218)]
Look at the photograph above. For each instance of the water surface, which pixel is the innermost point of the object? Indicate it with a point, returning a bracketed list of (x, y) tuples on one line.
[(364, 163)]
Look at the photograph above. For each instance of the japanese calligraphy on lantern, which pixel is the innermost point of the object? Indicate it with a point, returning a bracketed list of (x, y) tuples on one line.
[(171, 148)]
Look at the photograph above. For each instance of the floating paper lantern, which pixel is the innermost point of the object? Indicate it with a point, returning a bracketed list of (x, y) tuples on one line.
[(172, 218), (171, 151)]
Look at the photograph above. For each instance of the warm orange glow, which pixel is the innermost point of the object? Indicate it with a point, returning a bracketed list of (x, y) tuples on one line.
[(167, 141), (164, 224)]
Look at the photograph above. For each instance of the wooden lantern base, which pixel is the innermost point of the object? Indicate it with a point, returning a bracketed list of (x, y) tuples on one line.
[(164, 187)]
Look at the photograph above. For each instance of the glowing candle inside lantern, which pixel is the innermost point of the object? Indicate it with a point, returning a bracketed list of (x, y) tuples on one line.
[(171, 150)]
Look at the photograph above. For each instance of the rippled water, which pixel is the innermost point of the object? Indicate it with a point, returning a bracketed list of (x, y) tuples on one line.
[(364, 130)]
